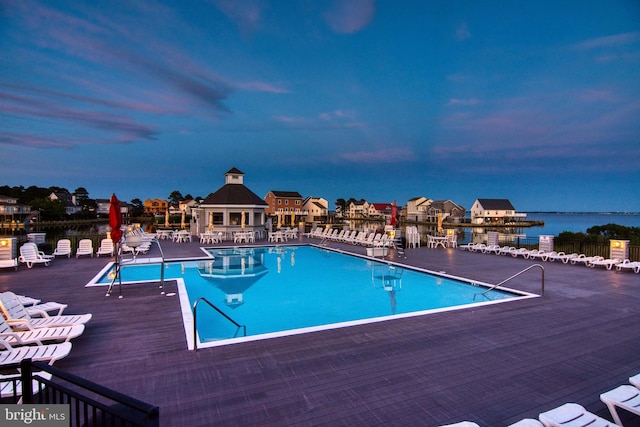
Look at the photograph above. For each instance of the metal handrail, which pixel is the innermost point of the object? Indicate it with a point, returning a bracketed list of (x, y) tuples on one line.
[(516, 275), (195, 328)]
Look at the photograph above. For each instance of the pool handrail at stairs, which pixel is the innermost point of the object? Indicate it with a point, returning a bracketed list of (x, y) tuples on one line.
[(516, 275), (210, 304)]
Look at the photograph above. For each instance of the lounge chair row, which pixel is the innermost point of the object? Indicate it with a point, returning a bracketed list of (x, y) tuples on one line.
[(29, 331), (574, 258), (626, 397), (354, 237)]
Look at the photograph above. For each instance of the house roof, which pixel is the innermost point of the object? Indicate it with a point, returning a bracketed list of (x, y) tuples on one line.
[(286, 194), (381, 206), (233, 194), (496, 204)]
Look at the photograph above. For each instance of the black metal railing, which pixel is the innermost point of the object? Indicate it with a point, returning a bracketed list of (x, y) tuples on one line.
[(90, 404)]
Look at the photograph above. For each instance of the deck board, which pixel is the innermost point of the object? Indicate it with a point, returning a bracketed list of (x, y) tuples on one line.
[(493, 365)]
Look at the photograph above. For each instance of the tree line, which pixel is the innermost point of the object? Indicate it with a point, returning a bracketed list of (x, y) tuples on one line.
[(38, 198)]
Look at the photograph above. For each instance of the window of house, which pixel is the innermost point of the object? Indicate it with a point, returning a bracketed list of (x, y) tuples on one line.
[(279, 201), (297, 202), (286, 202), (235, 218), (218, 218)]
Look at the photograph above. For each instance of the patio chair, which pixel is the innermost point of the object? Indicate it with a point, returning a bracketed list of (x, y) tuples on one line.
[(36, 306), (63, 248), (527, 422), (19, 318), (607, 263), (38, 335), (583, 259), (461, 424), (628, 265), (30, 255), (41, 353), (560, 417), (635, 380), (521, 251), (85, 247), (11, 385), (106, 248), (560, 256), (626, 397)]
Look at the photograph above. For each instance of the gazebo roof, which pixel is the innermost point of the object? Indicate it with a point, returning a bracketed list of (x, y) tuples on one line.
[(233, 194)]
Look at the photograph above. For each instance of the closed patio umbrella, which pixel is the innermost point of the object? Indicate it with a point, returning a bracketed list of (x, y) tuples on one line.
[(293, 218), (394, 213), (440, 230), (243, 220), (115, 219), (182, 224), (279, 221), (166, 219), (210, 220)]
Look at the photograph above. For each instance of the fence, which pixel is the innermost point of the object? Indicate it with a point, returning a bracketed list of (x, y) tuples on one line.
[(90, 404)]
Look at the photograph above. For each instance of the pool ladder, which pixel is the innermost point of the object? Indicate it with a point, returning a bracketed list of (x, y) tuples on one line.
[(513, 277), (195, 323)]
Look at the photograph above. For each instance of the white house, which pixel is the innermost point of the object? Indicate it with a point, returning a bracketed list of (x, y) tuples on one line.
[(316, 208), (494, 211), (417, 208)]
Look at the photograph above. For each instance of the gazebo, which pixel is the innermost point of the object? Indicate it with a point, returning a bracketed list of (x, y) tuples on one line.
[(233, 207)]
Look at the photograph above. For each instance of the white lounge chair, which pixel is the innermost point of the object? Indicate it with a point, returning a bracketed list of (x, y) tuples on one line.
[(560, 256), (85, 247), (461, 424), (45, 353), (517, 252), (537, 254), (63, 248), (20, 319), (572, 414), (38, 335), (30, 255), (626, 397), (583, 259), (628, 265), (35, 307), (527, 422), (106, 248), (506, 250), (490, 249), (11, 385), (607, 263), (635, 380)]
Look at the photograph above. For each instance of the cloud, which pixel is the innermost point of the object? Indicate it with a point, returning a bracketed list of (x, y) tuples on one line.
[(610, 41), (464, 102), (246, 14), (462, 32), (387, 155), (349, 16)]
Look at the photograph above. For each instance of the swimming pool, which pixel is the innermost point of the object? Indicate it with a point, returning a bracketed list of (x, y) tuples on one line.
[(282, 290)]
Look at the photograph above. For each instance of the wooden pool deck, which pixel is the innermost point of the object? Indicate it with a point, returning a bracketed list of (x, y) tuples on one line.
[(493, 365)]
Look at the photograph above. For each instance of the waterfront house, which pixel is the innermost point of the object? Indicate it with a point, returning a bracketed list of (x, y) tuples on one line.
[(359, 209), (227, 206), (451, 211), (494, 211), (11, 210), (69, 200), (155, 206), (380, 210), (316, 209), (103, 206), (417, 209)]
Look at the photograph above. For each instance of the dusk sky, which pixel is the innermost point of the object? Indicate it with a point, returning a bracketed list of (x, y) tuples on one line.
[(534, 101)]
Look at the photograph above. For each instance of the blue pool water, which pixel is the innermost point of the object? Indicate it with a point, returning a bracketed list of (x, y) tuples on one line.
[(284, 288)]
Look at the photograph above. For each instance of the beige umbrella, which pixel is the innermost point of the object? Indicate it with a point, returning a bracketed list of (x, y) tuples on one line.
[(440, 223), (210, 220), (166, 218), (242, 222), (293, 218), (279, 221), (182, 224)]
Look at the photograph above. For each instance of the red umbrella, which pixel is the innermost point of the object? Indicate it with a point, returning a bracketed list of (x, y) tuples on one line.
[(394, 212), (115, 219)]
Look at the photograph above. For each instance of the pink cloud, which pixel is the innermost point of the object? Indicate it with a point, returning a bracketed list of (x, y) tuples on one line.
[(463, 102), (247, 14), (350, 16)]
